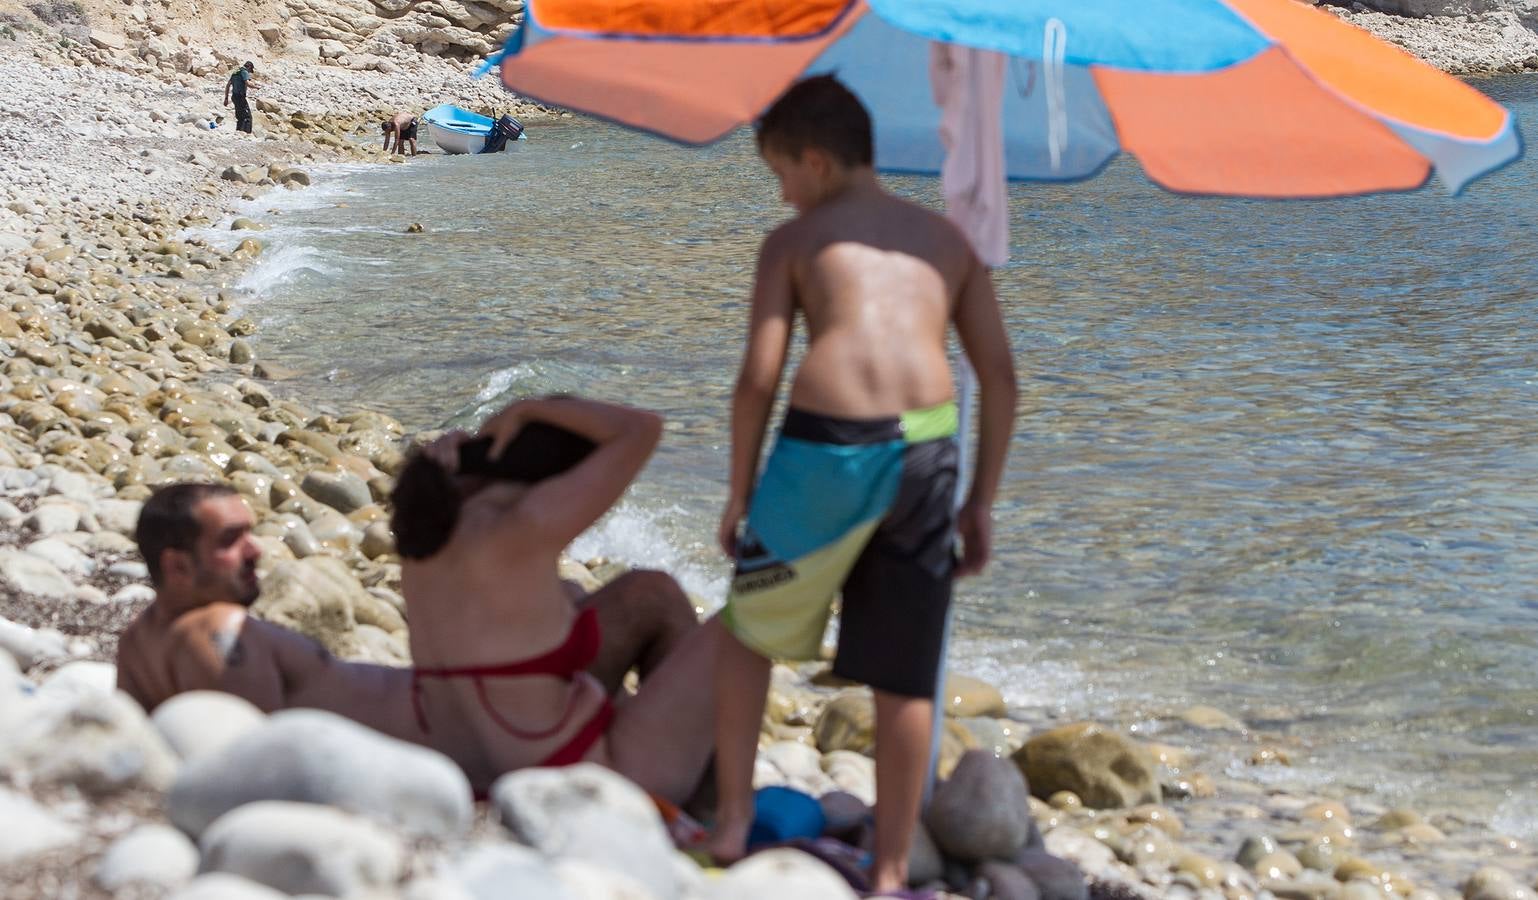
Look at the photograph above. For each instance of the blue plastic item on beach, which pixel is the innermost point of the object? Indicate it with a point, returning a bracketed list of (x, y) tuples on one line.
[(783, 814)]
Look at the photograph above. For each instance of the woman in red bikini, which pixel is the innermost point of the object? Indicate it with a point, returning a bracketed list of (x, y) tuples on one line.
[(499, 647)]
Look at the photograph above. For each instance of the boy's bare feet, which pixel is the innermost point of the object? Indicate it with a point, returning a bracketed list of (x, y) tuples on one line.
[(728, 841)]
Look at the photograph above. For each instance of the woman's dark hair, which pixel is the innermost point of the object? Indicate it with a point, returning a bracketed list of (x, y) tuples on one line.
[(818, 112), (168, 520), (426, 508)]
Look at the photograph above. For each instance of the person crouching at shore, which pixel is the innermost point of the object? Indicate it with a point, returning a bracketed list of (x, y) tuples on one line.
[(503, 656), (402, 128)]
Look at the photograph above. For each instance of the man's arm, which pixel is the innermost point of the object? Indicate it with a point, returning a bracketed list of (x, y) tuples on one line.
[(763, 362), (980, 327), (216, 651), (226, 92)]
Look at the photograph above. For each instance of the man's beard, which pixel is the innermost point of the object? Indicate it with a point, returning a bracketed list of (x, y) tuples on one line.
[(240, 587)]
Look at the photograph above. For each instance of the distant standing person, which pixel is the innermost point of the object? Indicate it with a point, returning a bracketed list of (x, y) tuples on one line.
[(403, 128), (235, 88)]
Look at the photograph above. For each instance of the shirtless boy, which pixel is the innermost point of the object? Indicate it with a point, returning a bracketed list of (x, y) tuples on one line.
[(857, 493)]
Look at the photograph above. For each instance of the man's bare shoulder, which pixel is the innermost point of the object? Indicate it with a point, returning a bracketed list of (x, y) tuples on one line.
[(214, 618)]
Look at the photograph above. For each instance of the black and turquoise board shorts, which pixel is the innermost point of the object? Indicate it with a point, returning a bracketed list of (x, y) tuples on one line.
[(862, 507)]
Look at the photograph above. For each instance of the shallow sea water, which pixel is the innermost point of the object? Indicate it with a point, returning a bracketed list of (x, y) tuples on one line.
[(1278, 458)]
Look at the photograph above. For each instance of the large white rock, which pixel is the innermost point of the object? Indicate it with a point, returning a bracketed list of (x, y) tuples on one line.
[(64, 556), (33, 576), (592, 882), (120, 516), (154, 855), (775, 874), (199, 723), (309, 756), (301, 848), (589, 813), (80, 677), (222, 886), (486, 872), (27, 829), (29, 645), (100, 743)]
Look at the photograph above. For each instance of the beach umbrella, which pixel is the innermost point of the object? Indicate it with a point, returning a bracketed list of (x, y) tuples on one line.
[(1245, 98)]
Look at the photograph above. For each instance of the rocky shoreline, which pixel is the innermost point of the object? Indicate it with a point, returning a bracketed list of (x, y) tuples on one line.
[(124, 363)]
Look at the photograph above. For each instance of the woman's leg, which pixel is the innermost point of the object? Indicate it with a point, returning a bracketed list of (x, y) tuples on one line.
[(643, 616), (662, 738)]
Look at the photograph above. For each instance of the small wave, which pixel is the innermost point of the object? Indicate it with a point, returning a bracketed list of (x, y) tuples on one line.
[(1517, 816), (638, 537), (280, 267)]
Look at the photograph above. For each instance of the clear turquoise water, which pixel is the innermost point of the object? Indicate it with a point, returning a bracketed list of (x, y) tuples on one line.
[(1275, 457)]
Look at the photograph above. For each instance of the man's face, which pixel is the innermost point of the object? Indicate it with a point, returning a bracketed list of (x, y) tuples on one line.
[(802, 177), (225, 555)]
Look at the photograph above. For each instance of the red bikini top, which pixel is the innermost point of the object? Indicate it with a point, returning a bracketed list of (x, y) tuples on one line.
[(574, 655)]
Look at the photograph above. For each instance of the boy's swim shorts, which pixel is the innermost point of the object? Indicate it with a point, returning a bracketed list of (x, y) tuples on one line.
[(862, 506)]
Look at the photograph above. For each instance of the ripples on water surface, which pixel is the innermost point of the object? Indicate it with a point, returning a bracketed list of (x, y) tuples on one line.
[(1275, 457)]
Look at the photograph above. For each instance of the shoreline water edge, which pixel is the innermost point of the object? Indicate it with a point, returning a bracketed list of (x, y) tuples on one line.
[(125, 364)]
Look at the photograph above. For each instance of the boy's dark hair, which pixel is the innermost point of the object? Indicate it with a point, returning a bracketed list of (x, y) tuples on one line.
[(167, 522), (818, 112)]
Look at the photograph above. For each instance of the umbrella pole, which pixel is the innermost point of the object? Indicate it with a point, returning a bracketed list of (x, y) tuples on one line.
[(966, 387)]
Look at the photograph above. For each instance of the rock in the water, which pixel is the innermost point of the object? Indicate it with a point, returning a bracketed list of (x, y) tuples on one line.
[(34, 576), (309, 756), (1492, 883), (776, 874), (27, 829), (153, 855), (590, 813), (301, 848), (100, 743), (1105, 769), (199, 723), (982, 811), (487, 871), (848, 722), (220, 886), (966, 697), (1055, 879), (1082, 849)]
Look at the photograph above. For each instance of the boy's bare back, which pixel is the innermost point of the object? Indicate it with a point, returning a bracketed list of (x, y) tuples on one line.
[(879, 280)]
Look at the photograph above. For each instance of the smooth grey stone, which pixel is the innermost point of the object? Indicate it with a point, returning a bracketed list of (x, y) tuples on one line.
[(776, 874), (1054, 878), (342, 491), (27, 829), (10, 515), (302, 848), (589, 813), (982, 811), (310, 756), (589, 881), (156, 855), (199, 723)]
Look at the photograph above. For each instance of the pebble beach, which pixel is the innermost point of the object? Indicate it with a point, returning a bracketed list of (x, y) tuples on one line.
[(126, 363)]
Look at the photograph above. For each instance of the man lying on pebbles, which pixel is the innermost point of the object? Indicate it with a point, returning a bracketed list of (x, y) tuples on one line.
[(197, 543)]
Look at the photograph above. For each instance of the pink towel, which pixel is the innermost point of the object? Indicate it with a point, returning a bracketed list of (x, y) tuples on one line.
[(968, 86)]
